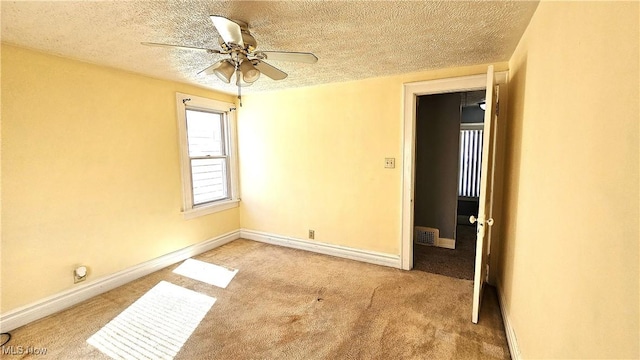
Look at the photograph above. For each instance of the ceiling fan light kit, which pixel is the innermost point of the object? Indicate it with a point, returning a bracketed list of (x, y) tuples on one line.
[(224, 70), (249, 73), (248, 64)]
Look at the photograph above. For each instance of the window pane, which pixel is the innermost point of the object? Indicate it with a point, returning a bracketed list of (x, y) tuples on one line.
[(470, 163), (204, 133), (209, 178)]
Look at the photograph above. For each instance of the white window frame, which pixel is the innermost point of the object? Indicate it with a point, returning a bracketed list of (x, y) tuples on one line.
[(190, 211)]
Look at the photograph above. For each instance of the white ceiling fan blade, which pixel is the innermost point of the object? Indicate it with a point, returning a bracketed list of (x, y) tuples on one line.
[(228, 30), (210, 51), (302, 57), (270, 71)]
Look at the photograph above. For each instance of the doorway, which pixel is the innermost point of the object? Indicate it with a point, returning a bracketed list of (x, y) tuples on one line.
[(490, 164), (449, 134), (411, 93)]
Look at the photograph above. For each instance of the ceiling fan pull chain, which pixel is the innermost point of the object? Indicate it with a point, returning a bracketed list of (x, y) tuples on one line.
[(238, 80), (239, 91)]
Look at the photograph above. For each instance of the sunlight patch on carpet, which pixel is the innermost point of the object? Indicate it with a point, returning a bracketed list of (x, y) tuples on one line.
[(206, 272), (155, 326)]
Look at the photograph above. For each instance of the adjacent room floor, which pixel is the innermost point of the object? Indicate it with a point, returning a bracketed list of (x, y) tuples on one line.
[(282, 303), (458, 263)]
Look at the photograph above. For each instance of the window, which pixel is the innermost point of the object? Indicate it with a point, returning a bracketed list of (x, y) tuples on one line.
[(471, 136), (207, 149)]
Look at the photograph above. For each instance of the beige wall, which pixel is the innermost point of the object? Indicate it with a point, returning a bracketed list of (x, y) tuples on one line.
[(569, 270), (90, 173), (313, 158)]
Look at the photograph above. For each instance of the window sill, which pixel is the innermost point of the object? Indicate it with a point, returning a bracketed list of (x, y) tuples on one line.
[(210, 209)]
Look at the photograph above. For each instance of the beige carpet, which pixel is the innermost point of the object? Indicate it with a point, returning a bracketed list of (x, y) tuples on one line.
[(292, 304)]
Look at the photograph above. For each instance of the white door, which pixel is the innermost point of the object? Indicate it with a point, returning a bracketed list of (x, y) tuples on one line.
[(484, 219)]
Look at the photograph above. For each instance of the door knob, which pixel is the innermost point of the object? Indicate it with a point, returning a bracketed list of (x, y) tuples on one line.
[(472, 219), (490, 221)]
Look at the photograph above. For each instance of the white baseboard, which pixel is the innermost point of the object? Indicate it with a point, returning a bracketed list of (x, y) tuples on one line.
[(323, 248), (508, 327), (52, 304), (446, 243)]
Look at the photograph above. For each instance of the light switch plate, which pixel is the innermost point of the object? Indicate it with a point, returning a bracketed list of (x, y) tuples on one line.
[(389, 163)]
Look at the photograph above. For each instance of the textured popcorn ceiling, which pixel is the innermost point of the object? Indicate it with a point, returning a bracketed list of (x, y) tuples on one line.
[(352, 39)]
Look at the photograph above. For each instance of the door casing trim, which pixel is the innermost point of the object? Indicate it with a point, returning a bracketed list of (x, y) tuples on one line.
[(411, 91)]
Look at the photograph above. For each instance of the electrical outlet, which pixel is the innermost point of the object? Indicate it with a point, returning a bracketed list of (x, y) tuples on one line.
[(312, 234), (389, 163)]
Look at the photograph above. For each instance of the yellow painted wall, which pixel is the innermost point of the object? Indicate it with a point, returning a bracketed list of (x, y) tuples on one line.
[(313, 158), (90, 173), (570, 269)]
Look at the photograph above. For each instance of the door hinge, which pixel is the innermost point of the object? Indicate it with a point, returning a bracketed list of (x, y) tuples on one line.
[(486, 279), (497, 94)]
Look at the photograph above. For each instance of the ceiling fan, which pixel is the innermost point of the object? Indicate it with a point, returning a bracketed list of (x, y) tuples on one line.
[(243, 60)]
